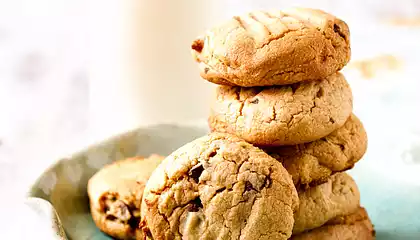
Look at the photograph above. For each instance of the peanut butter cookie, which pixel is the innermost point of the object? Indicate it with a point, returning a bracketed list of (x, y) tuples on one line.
[(265, 48), (219, 187), (115, 194), (283, 115), (313, 163), (356, 226), (339, 196)]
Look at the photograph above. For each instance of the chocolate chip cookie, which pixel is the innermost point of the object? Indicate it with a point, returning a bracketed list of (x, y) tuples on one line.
[(115, 194), (356, 226), (339, 196), (265, 48), (312, 163), (283, 115), (219, 187)]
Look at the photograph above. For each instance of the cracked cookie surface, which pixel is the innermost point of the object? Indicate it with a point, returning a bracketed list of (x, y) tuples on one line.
[(339, 196), (356, 226), (265, 48), (282, 115), (219, 187), (115, 194), (313, 163)]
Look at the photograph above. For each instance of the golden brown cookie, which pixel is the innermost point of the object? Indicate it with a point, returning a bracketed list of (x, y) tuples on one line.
[(219, 187), (313, 163), (115, 194), (284, 115), (339, 196), (356, 226), (265, 48)]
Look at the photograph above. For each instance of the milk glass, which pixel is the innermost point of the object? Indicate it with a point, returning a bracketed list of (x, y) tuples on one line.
[(141, 70)]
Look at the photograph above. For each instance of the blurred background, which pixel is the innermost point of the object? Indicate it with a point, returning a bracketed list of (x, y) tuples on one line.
[(74, 72)]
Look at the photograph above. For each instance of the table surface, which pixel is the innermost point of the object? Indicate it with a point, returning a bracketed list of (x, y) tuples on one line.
[(44, 88)]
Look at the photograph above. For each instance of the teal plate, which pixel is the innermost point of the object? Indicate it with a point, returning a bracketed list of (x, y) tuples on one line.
[(393, 206)]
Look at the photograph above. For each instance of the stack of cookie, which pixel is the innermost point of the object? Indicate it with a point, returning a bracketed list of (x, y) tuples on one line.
[(283, 135), (280, 89)]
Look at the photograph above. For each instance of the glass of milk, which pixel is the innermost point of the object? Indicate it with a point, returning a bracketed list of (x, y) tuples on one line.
[(141, 69)]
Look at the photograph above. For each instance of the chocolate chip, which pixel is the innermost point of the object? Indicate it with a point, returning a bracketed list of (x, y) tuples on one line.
[(106, 200), (212, 154), (133, 222), (332, 120), (110, 217), (198, 45), (195, 205), (248, 186), (342, 147), (338, 30), (254, 101), (196, 171)]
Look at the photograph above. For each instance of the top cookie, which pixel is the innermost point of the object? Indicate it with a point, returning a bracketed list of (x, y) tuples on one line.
[(115, 194), (219, 187), (264, 48)]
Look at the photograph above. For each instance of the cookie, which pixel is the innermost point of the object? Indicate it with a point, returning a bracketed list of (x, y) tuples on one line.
[(312, 163), (339, 196), (356, 226), (266, 48), (283, 115), (219, 187), (115, 194)]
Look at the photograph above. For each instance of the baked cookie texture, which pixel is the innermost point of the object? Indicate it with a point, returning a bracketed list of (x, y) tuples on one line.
[(313, 163), (265, 48), (339, 196), (219, 187), (356, 226), (115, 194), (283, 115)]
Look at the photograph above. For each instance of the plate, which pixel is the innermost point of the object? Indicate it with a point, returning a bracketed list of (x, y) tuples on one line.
[(393, 206)]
